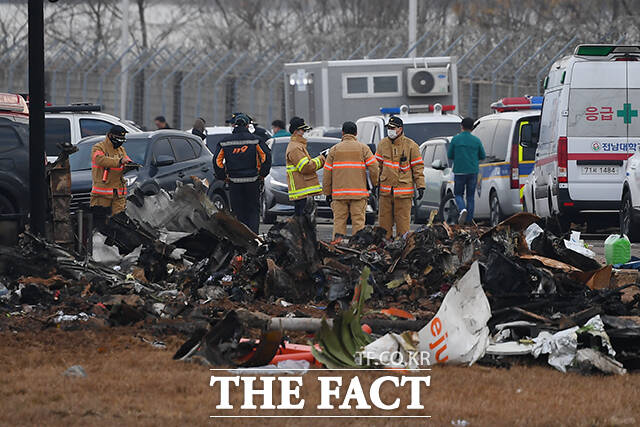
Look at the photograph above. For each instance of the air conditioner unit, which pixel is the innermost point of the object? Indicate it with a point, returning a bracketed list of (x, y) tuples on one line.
[(427, 81)]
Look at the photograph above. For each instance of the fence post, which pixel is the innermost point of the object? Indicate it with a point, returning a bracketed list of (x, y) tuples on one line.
[(475, 67), (430, 48), (554, 59), (494, 72), (171, 74), (218, 80), (356, 51), (54, 85), (452, 45), (144, 65), (201, 79), (147, 81), (258, 77), (368, 55), (109, 69), (393, 49), (415, 45), (137, 60), (516, 76), (276, 78), (467, 53)]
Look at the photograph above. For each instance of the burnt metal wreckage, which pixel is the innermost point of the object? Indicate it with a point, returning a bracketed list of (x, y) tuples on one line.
[(174, 264)]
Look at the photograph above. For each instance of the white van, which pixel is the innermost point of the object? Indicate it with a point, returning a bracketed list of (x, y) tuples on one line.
[(588, 129), (507, 164)]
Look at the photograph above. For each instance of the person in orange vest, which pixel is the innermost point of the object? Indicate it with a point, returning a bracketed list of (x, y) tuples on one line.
[(109, 189), (344, 180), (302, 177), (401, 176)]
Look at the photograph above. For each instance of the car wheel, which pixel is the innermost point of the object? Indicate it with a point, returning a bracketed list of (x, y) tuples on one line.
[(627, 226), (267, 217), (495, 214), (219, 202), (449, 209)]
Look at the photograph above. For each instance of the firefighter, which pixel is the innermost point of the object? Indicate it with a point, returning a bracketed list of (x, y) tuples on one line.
[(243, 160), (401, 174), (345, 180), (109, 189), (302, 178)]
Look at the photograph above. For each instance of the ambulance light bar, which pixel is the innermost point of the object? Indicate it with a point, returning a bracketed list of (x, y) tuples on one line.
[(605, 50), (517, 103), (406, 109)]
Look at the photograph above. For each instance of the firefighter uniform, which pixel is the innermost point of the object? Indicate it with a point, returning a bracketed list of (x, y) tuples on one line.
[(244, 160), (402, 173), (345, 180), (301, 169), (109, 189)]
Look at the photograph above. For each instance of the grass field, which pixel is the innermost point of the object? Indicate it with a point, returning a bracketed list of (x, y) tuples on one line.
[(131, 383)]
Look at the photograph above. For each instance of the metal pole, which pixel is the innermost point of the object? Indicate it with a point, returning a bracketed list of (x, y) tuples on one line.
[(554, 59), (356, 51), (86, 75), (171, 74), (516, 76), (413, 17), (473, 70), (148, 81), (336, 54), (184, 79), (276, 78), (54, 85), (470, 51), (37, 190), (415, 45), (452, 45), (368, 55), (494, 73), (109, 69), (144, 65), (258, 77), (206, 75), (218, 80), (433, 46), (393, 49), (621, 39), (124, 41), (124, 70)]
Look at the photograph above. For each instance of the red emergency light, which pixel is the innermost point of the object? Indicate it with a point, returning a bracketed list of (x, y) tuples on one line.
[(13, 103), (444, 107), (514, 104)]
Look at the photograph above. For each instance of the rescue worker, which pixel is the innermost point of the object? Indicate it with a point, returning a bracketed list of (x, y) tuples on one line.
[(302, 178), (401, 174), (243, 160), (109, 189), (344, 180)]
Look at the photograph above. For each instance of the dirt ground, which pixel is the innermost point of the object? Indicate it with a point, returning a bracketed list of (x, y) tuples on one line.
[(131, 383)]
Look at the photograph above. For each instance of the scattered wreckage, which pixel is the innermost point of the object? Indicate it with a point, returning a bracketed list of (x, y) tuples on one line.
[(441, 294)]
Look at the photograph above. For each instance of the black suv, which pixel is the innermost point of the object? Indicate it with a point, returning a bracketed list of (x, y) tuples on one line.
[(14, 164), (166, 156)]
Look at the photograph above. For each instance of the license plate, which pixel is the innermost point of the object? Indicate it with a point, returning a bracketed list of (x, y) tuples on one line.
[(600, 170), (320, 198)]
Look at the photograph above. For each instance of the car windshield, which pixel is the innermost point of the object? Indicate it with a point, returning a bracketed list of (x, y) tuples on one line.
[(81, 159), (213, 140), (421, 132), (279, 150)]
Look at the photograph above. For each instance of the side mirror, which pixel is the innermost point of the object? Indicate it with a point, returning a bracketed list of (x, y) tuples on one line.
[(437, 164), (526, 136), (164, 160)]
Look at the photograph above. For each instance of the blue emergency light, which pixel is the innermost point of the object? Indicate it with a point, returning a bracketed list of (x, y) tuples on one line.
[(390, 110)]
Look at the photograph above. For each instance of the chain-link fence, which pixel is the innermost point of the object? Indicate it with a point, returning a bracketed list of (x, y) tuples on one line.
[(183, 83)]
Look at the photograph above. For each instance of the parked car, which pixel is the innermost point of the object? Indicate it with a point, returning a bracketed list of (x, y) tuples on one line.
[(14, 156), (589, 128), (275, 198), (71, 123), (421, 123), (438, 174), (506, 167), (166, 156)]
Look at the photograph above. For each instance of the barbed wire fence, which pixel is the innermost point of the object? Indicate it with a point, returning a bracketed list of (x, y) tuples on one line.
[(182, 82)]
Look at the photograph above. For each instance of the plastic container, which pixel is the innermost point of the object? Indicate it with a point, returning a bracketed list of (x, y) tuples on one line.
[(617, 249)]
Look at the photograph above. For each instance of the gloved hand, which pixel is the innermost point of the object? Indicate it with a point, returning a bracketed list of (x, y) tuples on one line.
[(420, 193), (329, 199)]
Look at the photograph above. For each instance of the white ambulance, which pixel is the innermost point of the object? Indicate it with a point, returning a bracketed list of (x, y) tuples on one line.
[(588, 129)]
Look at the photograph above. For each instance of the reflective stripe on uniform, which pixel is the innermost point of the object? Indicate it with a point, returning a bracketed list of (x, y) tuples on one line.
[(403, 190), (318, 162), (348, 165), (305, 191), (417, 161), (328, 167), (302, 163), (244, 179), (385, 188), (104, 191), (351, 192), (370, 160), (239, 143)]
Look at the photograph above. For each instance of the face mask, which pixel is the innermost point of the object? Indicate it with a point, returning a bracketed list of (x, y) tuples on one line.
[(251, 128), (117, 141), (392, 133)]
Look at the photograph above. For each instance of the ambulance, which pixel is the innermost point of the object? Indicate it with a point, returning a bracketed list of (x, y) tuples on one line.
[(507, 164), (588, 129)]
